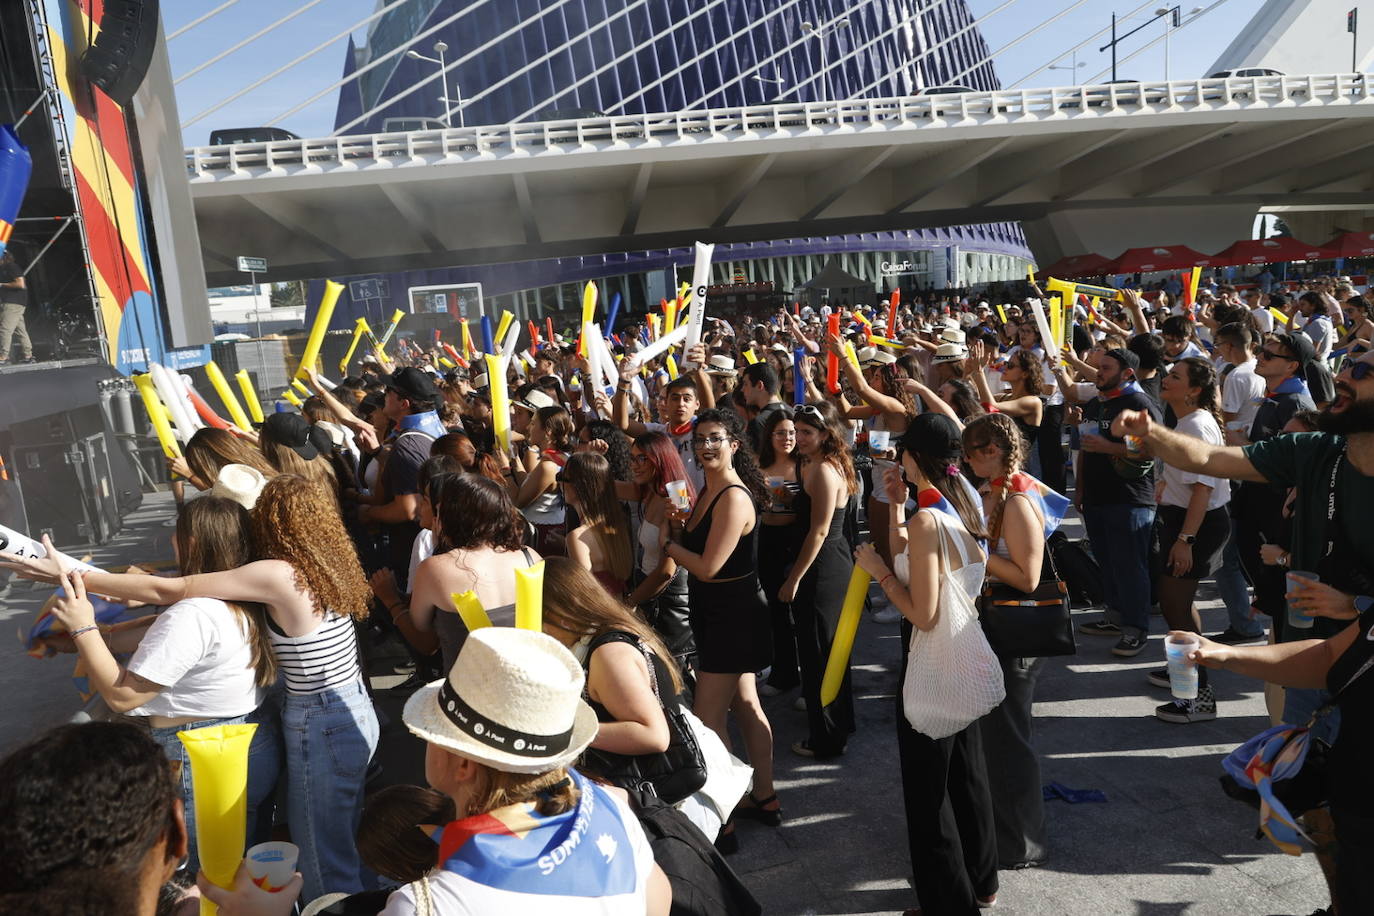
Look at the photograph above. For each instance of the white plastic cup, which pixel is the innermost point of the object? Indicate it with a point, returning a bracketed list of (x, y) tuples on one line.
[(1296, 618), (271, 865), (1182, 670), (774, 485), (878, 439), (677, 494)]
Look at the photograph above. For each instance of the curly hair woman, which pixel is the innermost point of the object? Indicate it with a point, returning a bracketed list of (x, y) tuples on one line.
[(313, 587)]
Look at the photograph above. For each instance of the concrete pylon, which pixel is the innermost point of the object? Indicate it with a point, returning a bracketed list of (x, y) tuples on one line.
[(1299, 36)]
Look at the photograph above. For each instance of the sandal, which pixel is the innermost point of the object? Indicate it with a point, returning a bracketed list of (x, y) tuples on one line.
[(727, 841), (755, 810)]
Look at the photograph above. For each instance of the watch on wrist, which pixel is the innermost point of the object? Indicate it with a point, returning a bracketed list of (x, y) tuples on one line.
[(1187, 538)]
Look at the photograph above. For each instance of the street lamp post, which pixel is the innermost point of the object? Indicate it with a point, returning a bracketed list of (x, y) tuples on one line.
[(1074, 63), (819, 33), (440, 48), (1175, 21)]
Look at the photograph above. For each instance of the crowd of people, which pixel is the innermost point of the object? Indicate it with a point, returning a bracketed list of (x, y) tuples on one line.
[(699, 530)]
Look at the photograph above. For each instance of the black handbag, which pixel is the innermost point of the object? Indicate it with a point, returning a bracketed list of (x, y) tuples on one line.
[(1034, 624), (672, 774)]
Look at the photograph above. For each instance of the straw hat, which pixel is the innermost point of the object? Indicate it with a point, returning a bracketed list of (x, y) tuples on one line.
[(720, 365), (952, 336), (512, 701), (240, 483), (535, 400), (875, 356), (949, 352)]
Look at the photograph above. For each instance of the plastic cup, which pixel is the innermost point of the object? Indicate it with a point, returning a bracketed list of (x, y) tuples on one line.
[(878, 439), (677, 494), (271, 865), (1296, 618), (1182, 670), (774, 485)]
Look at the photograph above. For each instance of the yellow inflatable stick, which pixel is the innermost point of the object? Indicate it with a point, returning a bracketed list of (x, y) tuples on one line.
[(671, 365), (843, 644), (321, 325), (219, 778), (359, 327), (1280, 317), (1030, 273), (396, 317), (289, 397), (447, 363), (884, 342), (500, 399), (158, 415), (250, 397), (300, 387), (529, 597), (588, 310), (503, 326), (226, 394), (1001, 313), (670, 316), (849, 353), (467, 340), (471, 610), (749, 356), (653, 327)]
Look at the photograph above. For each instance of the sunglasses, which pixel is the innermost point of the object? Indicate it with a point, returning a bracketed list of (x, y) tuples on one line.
[(1359, 370), (811, 410), (1267, 355)]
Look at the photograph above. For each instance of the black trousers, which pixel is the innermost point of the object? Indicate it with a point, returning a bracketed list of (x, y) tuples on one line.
[(828, 727), (1050, 444), (949, 819), (1354, 884), (1014, 769)]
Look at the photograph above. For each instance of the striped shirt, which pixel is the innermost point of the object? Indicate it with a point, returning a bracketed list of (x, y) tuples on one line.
[(321, 660)]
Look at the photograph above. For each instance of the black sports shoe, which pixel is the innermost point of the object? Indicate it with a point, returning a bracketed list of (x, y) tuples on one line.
[(1159, 678), (1128, 646), (1182, 712), (1102, 627), (1231, 637)]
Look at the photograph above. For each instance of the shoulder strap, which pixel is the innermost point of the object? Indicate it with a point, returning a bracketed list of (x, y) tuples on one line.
[(525, 552), (650, 660)]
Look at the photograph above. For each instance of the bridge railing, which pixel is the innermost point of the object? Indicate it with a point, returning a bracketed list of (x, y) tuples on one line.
[(362, 151)]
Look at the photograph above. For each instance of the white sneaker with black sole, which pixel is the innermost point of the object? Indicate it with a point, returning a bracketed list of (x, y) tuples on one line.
[(1183, 712)]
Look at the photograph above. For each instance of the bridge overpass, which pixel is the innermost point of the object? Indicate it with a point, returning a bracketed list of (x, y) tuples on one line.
[(1086, 168)]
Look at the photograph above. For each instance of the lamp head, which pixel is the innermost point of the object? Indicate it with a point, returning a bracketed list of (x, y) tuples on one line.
[(440, 47), (807, 26), (414, 54)]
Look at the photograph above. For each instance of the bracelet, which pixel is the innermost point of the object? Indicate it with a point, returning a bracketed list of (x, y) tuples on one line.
[(86, 629), (883, 581)]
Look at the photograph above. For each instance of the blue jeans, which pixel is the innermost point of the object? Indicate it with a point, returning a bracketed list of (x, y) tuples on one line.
[(1235, 590), (329, 739), (1120, 538), (264, 765)]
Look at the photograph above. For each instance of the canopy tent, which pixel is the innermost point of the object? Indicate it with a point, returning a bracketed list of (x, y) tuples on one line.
[(1162, 257), (1350, 245), (1078, 265), (1264, 251), (837, 285)]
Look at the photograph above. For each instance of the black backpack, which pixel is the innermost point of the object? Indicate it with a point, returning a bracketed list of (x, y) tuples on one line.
[(1078, 570), (703, 883)]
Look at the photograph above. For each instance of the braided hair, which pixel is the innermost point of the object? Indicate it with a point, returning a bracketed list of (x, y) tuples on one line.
[(1000, 430)]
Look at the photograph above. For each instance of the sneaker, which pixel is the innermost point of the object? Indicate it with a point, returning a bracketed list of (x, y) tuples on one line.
[(1231, 637), (1102, 627), (1184, 711), (888, 614), (1159, 677), (1128, 646)]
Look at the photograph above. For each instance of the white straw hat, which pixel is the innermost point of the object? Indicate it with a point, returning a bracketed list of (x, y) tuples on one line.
[(240, 483), (949, 352), (721, 365), (534, 400), (952, 336), (512, 701)]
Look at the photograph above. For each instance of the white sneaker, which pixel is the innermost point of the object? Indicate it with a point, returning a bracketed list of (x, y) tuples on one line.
[(888, 614)]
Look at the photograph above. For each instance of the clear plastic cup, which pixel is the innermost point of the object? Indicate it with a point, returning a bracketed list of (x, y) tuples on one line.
[(774, 485), (1182, 670), (677, 494), (1296, 618), (271, 865), (878, 439)]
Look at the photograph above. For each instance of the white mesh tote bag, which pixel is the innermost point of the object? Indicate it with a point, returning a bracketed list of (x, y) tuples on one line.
[(952, 675)]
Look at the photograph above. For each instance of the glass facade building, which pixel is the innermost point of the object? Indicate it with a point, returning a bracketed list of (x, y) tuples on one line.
[(520, 60)]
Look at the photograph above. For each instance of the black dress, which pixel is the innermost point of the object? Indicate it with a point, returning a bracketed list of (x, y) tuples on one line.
[(815, 614), (729, 614), (777, 551)]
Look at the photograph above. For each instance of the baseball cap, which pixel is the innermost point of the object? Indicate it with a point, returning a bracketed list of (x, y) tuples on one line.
[(1300, 345), (413, 385)]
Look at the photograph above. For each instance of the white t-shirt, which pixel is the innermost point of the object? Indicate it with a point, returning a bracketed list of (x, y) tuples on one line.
[(1178, 485), (197, 649), (420, 550), (1243, 393), (1264, 320), (457, 895), (1323, 334)]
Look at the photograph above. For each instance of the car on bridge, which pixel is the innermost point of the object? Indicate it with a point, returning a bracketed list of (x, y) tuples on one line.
[(230, 136)]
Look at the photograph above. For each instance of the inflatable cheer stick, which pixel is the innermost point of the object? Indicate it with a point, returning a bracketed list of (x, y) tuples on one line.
[(467, 339), (1043, 326), (662, 345), (551, 336), (226, 394), (488, 339), (203, 410), (250, 397), (500, 399), (798, 385), (503, 325), (670, 365), (701, 279), (837, 665), (529, 597), (892, 304), (157, 414), (290, 397), (219, 782), (612, 313), (471, 610), (174, 400), (670, 316), (749, 356), (15, 167), (589, 295), (317, 331), (396, 317), (358, 328), (832, 359)]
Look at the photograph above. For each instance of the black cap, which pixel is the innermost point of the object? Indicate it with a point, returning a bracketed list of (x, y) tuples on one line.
[(935, 436), (414, 385), (292, 431), (1126, 358), (1278, 300), (1300, 345)]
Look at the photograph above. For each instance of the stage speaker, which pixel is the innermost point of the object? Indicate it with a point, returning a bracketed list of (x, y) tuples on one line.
[(119, 58)]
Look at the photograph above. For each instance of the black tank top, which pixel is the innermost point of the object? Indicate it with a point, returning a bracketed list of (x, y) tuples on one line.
[(741, 559)]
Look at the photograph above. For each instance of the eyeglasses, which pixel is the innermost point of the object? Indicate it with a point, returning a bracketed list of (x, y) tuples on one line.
[(789, 433), (700, 442), (638, 459)]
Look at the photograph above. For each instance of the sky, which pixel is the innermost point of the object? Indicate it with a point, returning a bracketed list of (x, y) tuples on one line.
[(1009, 27)]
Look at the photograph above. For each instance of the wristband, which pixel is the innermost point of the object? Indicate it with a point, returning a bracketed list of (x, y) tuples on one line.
[(883, 581), (86, 629)]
